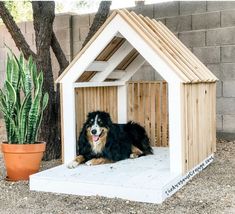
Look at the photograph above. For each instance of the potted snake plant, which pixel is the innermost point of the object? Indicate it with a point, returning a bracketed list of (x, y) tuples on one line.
[(22, 103)]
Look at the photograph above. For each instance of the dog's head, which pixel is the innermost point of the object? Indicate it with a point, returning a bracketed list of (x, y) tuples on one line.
[(98, 124)]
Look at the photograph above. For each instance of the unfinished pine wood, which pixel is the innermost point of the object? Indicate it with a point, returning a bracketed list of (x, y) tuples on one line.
[(94, 99), (147, 105), (164, 114), (200, 123), (146, 35)]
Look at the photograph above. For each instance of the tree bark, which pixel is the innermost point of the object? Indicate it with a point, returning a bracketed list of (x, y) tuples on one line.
[(43, 16), (100, 18)]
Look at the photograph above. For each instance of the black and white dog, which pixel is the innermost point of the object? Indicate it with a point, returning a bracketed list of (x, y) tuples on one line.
[(102, 141)]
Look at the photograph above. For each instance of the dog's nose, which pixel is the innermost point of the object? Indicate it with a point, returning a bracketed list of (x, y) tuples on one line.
[(93, 131)]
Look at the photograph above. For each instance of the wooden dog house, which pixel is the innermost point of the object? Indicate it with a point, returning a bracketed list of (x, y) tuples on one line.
[(178, 113)]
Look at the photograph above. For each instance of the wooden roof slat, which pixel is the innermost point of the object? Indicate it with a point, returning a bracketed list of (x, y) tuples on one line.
[(151, 41), (162, 41), (183, 48), (175, 42), (161, 49), (172, 50)]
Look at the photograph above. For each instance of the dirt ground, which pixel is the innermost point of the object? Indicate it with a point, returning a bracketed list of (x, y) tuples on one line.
[(211, 191)]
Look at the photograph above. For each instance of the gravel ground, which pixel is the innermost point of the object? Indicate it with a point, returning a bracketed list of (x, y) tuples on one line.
[(212, 191)]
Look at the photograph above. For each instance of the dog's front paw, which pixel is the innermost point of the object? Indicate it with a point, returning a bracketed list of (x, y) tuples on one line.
[(133, 156), (72, 164), (89, 163)]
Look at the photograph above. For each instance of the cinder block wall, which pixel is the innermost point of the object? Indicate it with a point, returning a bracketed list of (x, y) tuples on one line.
[(206, 28)]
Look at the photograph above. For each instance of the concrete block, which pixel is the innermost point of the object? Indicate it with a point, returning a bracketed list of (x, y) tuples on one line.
[(75, 32), (219, 89), (225, 105), (146, 73), (29, 37), (228, 123), (2, 40), (229, 88), (81, 20), (208, 54), (228, 53), (83, 31), (227, 18), (220, 5), (163, 20), (215, 69), (77, 46), (219, 122), (179, 23), (29, 28), (62, 22), (206, 20), (91, 18), (222, 36), (227, 71), (22, 27), (166, 9), (145, 10), (193, 38), (63, 34), (191, 7), (66, 47)]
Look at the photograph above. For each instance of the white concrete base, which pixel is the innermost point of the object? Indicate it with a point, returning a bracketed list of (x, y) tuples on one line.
[(146, 179)]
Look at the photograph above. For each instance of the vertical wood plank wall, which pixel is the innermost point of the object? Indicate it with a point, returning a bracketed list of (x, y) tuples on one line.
[(147, 105), (93, 99), (199, 123)]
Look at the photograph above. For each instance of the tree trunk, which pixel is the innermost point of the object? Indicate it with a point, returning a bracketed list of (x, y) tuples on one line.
[(100, 18), (43, 25)]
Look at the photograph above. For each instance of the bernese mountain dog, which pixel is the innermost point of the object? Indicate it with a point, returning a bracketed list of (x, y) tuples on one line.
[(102, 141)]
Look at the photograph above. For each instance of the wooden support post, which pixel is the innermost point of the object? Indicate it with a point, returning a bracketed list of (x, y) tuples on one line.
[(175, 127), (122, 104), (68, 122)]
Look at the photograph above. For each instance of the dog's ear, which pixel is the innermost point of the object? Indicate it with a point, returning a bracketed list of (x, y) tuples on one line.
[(108, 118)]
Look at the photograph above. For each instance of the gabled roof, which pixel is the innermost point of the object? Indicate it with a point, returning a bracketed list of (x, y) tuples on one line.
[(183, 62)]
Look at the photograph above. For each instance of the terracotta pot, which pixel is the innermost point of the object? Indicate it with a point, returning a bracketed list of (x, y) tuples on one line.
[(22, 160)]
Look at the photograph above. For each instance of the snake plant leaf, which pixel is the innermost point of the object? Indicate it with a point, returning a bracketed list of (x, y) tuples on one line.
[(45, 101), (22, 118), (9, 68), (11, 93), (32, 119), (34, 74), (44, 105)]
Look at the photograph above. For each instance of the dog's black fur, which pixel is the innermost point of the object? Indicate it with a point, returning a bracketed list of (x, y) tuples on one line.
[(119, 141)]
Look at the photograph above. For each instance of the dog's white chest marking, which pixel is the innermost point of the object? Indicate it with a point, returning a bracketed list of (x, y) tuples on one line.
[(97, 147)]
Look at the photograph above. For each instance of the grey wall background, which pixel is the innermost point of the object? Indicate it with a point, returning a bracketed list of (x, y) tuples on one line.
[(206, 28)]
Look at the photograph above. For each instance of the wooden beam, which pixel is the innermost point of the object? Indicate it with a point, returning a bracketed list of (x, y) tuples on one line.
[(68, 123), (117, 74), (133, 67), (113, 62), (97, 84), (97, 66), (122, 104)]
